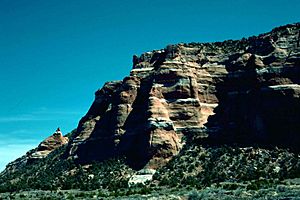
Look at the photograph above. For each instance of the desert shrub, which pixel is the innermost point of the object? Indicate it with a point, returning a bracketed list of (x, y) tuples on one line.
[(194, 195), (228, 163), (230, 186)]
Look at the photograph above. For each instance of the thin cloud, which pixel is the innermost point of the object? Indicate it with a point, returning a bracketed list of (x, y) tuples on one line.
[(10, 142), (9, 153), (40, 115), (18, 136), (20, 131), (49, 112), (21, 118)]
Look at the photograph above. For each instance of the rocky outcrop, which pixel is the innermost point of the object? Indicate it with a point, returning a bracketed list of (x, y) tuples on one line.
[(141, 177), (51, 143), (233, 91)]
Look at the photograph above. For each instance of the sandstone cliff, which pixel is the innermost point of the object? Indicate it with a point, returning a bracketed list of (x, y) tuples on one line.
[(193, 114), (236, 91)]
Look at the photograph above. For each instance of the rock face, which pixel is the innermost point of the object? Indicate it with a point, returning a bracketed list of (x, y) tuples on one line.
[(141, 177), (51, 143), (233, 91)]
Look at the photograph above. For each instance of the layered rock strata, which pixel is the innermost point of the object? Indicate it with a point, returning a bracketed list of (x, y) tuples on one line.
[(51, 143), (233, 91)]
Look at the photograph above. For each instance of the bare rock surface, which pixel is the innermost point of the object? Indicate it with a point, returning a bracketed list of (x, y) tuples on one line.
[(49, 144), (243, 91)]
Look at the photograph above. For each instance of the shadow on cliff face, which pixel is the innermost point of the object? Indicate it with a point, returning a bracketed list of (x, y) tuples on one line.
[(133, 139), (253, 111), (135, 142)]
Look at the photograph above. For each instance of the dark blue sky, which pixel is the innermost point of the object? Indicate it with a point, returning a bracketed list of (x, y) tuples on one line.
[(55, 54)]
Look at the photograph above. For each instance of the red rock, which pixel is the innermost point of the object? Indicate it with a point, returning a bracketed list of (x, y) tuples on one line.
[(234, 91)]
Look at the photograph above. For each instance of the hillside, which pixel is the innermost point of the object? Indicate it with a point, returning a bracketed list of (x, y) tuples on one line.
[(221, 115)]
